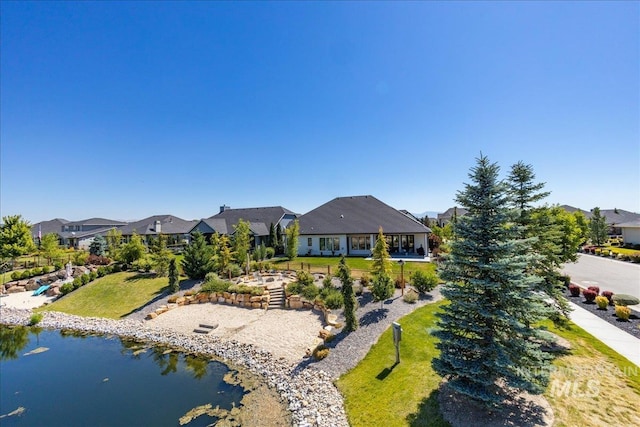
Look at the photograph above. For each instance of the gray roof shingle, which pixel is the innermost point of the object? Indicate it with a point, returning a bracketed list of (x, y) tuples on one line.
[(169, 224), (358, 215)]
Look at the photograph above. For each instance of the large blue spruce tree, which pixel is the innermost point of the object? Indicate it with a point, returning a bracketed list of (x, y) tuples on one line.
[(488, 346)]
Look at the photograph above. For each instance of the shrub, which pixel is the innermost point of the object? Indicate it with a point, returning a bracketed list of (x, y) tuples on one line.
[(358, 288), (304, 278), (244, 289), (77, 282), (16, 275), (80, 258), (46, 269), (98, 260), (215, 285), (575, 290), (424, 282), (320, 352), (623, 299), (332, 298), (35, 319), (190, 292), (66, 288), (566, 280), (309, 292), (602, 302), (608, 295), (85, 278), (58, 265), (26, 274), (270, 253), (594, 289), (326, 282), (293, 288), (102, 271), (365, 280), (589, 295), (116, 268), (410, 297), (623, 313), (235, 270), (93, 276)]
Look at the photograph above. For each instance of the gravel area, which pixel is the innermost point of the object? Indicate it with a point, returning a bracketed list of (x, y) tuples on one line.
[(347, 350), (632, 327)]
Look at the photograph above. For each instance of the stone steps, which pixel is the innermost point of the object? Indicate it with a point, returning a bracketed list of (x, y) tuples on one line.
[(277, 298)]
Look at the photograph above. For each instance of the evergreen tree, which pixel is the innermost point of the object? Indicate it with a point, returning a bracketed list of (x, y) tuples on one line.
[(272, 239), (487, 344), (241, 241), (348, 296), (293, 231), (98, 246), (174, 277), (161, 256), (225, 256), (215, 250), (197, 260), (15, 237), (279, 247), (544, 229), (382, 287), (598, 230)]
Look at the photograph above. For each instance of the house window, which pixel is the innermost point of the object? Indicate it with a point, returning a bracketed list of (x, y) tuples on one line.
[(329, 243), (360, 243), (309, 241)]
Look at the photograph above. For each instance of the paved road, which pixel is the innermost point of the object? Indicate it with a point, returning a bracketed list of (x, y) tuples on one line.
[(609, 275)]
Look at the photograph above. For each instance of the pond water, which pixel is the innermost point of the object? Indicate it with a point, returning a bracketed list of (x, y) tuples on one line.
[(53, 378)]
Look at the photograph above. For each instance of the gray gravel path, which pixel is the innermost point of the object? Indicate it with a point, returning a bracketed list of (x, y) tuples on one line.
[(347, 350)]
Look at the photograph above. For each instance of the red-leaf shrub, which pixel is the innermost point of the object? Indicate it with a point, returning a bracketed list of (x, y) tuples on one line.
[(98, 260), (589, 295), (609, 296), (594, 289), (575, 290)]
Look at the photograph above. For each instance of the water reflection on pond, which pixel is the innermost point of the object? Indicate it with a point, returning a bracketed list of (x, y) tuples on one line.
[(70, 379)]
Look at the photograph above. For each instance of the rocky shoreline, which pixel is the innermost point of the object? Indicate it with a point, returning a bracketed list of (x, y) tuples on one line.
[(309, 394)]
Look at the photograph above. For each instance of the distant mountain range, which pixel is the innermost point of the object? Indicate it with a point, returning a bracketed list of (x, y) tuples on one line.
[(430, 214)]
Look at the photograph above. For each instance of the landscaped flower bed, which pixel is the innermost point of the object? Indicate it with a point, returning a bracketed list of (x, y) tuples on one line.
[(632, 326)]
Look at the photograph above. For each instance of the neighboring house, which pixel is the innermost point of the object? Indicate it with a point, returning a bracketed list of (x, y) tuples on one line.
[(176, 229), (614, 217), (80, 234), (630, 232), (350, 225), (449, 214), (47, 227), (259, 219)]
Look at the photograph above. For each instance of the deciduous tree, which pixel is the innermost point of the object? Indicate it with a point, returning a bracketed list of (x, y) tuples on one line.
[(50, 247), (15, 237), (485, 333), (241, 241), (133, 250), (114, 242)]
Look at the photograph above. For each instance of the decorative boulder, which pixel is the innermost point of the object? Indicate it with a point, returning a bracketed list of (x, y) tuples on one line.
[(624, 299), (32, 285), (15, 289)]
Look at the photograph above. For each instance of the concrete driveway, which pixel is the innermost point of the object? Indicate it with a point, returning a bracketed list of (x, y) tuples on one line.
[(609, 275)]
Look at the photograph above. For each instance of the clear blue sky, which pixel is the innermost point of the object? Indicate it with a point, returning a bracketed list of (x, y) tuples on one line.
[(129, 109)]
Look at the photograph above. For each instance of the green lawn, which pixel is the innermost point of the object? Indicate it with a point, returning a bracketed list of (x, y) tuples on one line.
[(377, 393), (357, 265), (112, 296)]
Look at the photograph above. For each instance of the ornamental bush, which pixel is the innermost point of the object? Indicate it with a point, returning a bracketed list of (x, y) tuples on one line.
[(602, 302), (66, 288), (215, 285), (84, 279), (609, 296), (320, 352), (575, 290), (595, 289), (623, 299), (410, 297), (364, 280), (424, 282), (589, 295), (623, 312)]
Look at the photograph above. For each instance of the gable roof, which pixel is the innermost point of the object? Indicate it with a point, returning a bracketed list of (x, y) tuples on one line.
[(630, 224), (97, 221), (613, 216), (169, 224), (48, 227), (449, 212), (358, 215), (259, 219)]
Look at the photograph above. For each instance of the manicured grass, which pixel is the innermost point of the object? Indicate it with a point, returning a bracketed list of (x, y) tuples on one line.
[(358, 266), (113, 296), (377, 393), (619, 250)]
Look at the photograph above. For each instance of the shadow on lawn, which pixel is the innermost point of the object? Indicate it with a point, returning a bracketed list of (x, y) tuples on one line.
[(428, 412), (161, 296)]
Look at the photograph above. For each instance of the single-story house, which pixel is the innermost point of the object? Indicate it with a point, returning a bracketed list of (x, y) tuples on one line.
[(259, 219), (613, 217), (80, 234), (176, 229), (630, 232), (448, 215), (350, 225)]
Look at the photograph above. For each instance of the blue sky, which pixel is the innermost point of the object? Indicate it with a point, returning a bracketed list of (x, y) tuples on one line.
[(129, 109)]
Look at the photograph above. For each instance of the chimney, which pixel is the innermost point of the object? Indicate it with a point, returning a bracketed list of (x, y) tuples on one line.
[(224, 208), (158, 227)]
